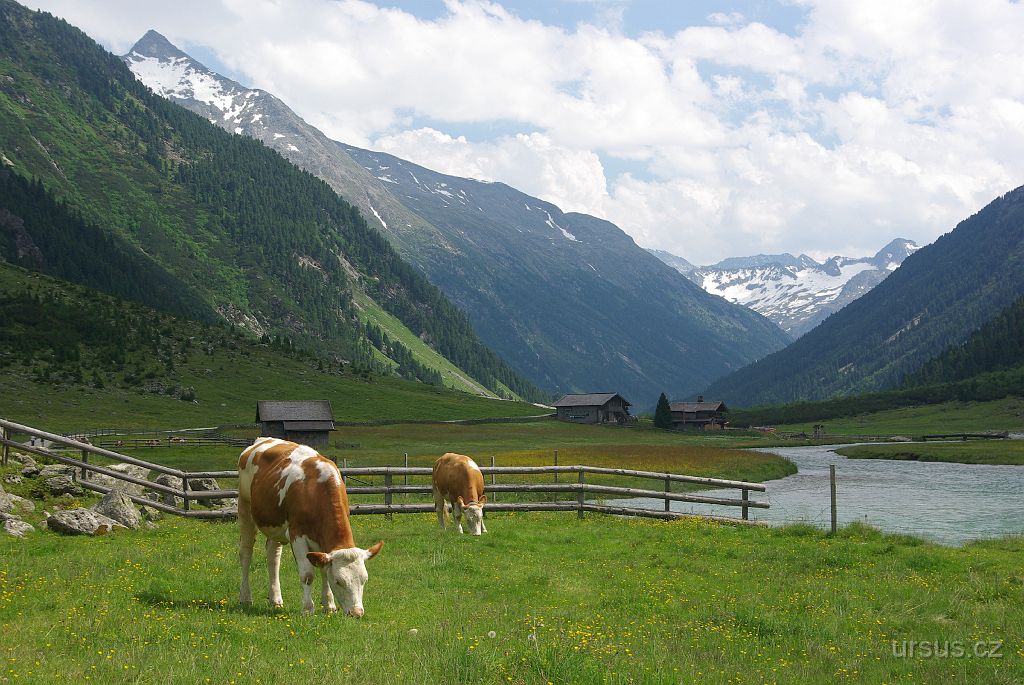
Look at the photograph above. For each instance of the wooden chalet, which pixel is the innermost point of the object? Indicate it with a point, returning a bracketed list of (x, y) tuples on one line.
[(699, 415), (606, 407), (308, 422)]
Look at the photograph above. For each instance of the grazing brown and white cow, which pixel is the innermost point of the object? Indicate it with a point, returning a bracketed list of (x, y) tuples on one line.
[(457, 478), (296, 497)]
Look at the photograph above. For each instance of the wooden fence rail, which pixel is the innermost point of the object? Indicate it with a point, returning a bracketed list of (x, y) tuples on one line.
[(391, 487)]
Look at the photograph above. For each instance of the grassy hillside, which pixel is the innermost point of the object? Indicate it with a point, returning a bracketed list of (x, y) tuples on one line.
[(602, 600), (263, 244), (74, 358)]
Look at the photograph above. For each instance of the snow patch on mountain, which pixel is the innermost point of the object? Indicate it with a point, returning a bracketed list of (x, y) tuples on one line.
[(797, 293)]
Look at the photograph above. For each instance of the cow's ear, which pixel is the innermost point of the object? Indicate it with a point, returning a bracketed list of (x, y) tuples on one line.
[(375, 550), (462, 502), (483, 500), (318, 559)]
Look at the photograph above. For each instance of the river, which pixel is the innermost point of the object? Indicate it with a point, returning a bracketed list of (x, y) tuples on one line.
[(947, 503)]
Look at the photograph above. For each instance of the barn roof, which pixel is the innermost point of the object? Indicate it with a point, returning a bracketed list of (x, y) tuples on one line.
[(688, 407), (297, 412), (596, 399)]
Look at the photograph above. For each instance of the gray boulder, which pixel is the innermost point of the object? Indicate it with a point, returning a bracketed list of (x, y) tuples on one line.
[(23, 459), (63, 485), (171, 482), (12, 479), (20, 505), (81, 522), (151, 514), (51, 470), (204, 484), (116, 505), (30, 471), (140, 472), (5, 501), (16, 527)]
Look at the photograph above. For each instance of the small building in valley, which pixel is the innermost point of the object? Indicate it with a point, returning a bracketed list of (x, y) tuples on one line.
[(308, 422), (699, 415), (608, 407)]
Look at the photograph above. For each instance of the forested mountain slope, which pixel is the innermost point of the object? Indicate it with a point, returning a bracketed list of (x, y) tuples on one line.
[(996, 346), (935, 299), (569, 300), (254, 239)]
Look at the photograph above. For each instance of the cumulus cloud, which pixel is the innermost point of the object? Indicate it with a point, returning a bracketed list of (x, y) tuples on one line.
[(868, 121)]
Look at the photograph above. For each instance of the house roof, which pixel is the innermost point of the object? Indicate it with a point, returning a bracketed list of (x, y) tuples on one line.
[(689, 407), (295, 410), (596, 399)]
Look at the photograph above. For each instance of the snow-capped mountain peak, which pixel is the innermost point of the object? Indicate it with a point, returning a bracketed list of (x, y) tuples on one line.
[(797, 293)]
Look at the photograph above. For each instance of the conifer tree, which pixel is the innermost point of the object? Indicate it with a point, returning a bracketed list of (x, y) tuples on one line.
[(663, 413)]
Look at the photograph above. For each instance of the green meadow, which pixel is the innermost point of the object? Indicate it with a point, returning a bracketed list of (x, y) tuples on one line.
[(598, 600), (970, 452), (1006, 414)]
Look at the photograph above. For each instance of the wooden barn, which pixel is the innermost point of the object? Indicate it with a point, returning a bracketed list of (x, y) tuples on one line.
[(606, 407), (699, 415), (308, 422)]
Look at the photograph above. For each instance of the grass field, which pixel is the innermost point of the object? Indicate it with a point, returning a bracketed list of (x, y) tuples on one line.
[(607, 600), (972, 452), (951, 417)]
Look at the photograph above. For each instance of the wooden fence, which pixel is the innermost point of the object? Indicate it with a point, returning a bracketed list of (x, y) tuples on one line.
[(389, 488)]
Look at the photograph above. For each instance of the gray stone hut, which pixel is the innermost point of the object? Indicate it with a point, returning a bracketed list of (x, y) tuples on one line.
[(608, 407), (308, 422)]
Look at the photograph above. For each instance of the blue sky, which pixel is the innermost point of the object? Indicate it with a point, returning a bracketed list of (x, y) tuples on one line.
[(708, 129)]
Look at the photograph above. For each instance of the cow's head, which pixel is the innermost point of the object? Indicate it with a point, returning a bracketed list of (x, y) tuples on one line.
[(346, 569), (474, 512)]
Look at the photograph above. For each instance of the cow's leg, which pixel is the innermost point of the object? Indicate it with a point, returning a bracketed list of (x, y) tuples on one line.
[(326, 596), (274, 569), (306, 573), (245, 545), (457, 513), (439, 507)]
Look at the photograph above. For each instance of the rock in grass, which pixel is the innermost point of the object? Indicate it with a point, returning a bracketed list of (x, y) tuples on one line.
[(16, 527), (204, 484), (116, 505), (51, 470), (5, 501), (12, 479), (170, 481), (140, 472), (81, 522), (151, 514), (20, 505), (30, 471), (23, 459), (63, 485)]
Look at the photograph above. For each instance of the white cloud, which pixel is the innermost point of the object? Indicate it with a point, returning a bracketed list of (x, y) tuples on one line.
[(869, 120)]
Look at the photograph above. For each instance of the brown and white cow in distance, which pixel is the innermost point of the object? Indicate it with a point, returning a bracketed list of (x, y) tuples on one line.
[(296, 497), (457, 478)]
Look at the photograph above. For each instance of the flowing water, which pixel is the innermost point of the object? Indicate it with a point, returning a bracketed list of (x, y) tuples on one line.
[(948, 503)]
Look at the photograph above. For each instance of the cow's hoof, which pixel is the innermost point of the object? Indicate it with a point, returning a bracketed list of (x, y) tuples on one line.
[(279, 604)]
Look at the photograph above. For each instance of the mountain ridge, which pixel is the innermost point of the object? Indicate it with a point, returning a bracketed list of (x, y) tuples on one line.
[(497, 261), (937, 297), (797, 293)]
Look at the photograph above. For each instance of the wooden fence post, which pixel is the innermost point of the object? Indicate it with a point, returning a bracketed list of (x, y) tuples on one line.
[(832, 490), (579, 497), (494, 479), (407, 466), (184, 490), (746, 498), (3, 434), (556, 464), (387, 494), (344, 467), (668, 488), (85, 460)]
